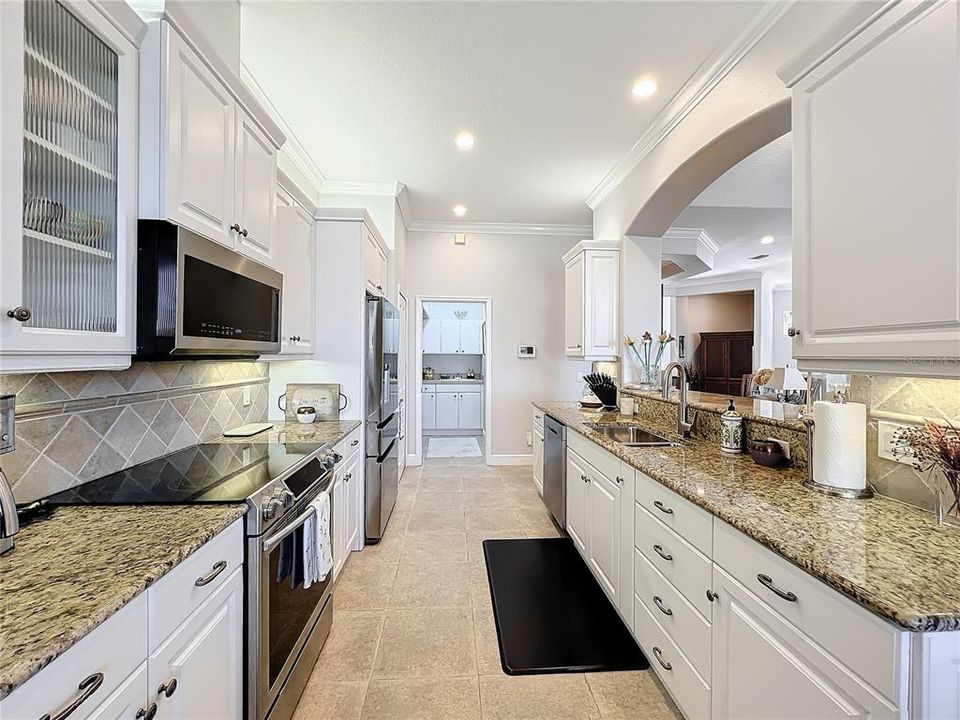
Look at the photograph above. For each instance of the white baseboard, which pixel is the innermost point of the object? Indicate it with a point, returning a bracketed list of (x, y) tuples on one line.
[(510, 460)]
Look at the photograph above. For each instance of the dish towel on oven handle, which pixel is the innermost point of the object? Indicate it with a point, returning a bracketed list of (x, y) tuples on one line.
[(318, 557)]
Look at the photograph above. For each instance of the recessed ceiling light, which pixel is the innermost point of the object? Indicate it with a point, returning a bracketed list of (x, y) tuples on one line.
[(465, 140), (644, 88), (767, 240), (459, 210)]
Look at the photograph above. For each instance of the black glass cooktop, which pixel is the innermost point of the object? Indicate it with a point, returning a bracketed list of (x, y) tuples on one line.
[(208, 473)]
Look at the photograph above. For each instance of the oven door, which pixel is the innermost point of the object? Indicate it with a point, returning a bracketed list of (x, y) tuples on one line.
[(284, 614)]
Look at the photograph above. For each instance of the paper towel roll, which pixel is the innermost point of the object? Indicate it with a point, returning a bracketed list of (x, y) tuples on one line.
[(840, 444)]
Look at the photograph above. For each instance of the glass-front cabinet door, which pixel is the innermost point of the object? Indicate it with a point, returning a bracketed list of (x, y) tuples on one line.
[(68, 186)]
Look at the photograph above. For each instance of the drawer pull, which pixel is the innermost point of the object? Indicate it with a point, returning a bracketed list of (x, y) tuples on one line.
[(619, 480), (149, 714), (218, 568), (354, 443), (168, 688), (659, 656), (661, 607), (665, 555), (660, 506), (711, 595), (348, 476), (767, 582), (88, 686)]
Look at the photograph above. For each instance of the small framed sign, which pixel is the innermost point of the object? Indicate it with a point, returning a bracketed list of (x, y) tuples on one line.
[(526, 351)]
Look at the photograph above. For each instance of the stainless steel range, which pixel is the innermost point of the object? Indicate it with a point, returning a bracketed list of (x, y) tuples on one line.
[(286, 624)]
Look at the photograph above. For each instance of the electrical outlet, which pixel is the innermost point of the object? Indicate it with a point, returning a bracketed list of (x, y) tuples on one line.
[(579, 377), (529, 440), (886, 442), (246, 395)]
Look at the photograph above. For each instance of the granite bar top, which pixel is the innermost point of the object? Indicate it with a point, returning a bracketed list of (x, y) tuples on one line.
[(454, 381), (293, 432), (887, 556), (74, 569), (781, 414)]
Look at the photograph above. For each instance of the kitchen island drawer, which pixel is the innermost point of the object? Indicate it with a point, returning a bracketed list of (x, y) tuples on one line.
[(89, 672), (350, 444), (606, 463), (689, 690), (194, 580), (538, 417), (856, 637), (679, 514), (685, 626), (679, 561)]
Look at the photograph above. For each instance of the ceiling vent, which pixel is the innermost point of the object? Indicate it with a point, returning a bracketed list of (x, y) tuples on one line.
[(759, 257)]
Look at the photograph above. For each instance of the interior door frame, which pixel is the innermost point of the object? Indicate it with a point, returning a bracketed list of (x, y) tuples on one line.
[(487, 330)]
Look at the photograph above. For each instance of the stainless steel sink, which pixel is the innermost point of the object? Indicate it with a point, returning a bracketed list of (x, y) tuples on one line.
[(631, 435)]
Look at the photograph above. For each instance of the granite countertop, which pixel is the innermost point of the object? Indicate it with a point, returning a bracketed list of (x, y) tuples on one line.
[(887, 556), (454, 381), (330, 432), (74, 569), (784, 415)]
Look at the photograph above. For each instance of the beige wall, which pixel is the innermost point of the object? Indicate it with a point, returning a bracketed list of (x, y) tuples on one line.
[(720, 312), (523, 275)]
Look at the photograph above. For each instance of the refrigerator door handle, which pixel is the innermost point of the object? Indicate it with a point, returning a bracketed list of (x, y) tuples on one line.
[(381, 425)]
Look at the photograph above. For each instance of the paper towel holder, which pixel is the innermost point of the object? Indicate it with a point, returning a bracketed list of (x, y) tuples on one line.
[(811, 484)]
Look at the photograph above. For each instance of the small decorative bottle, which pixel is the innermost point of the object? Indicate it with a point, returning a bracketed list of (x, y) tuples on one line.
[(731, 431)]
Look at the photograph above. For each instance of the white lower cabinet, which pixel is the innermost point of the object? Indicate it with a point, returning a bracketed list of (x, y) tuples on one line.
[(764, 668), (603, 528), (429, 400), (536, 439), (126, 700), (577, 470), (346, 495), (200, 667), (452, 407), (176, 631), (447, 410), (470, 410)]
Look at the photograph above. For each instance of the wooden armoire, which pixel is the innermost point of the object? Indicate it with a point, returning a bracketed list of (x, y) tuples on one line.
[(724, 358)]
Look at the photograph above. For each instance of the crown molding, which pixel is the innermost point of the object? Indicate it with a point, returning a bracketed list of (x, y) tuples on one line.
[(389, 188), (403, 202), (488, 228), (292, 148), (701, 236), (690, 96)]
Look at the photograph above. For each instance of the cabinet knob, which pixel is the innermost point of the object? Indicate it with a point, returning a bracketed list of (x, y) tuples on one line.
[(244, 232), (619, 480), (168, 688), (793, 331), (149, 714), (235, 227), (20, 314), (348, 476)]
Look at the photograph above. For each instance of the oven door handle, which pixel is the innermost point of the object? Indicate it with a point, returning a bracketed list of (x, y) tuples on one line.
[(275, 540)]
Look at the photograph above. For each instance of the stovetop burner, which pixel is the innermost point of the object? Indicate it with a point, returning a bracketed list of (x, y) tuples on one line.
[(208, 473)]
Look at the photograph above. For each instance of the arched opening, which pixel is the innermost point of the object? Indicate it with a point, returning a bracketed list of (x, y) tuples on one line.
[(694, 175)]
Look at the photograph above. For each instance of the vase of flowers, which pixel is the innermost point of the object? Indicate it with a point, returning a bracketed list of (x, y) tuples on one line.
[(934, 450), (647, 360)]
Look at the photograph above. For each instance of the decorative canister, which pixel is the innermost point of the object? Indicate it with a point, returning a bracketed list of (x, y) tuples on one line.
[(306, 414), (731, 431)]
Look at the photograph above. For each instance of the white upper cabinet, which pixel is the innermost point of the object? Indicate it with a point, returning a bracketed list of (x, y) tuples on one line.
[(198, 166), (432, 337), (208, 151), (374, 263), (471, 337), (591, 302), (876, 277), (68, 168), (295, 258), (256, 177)]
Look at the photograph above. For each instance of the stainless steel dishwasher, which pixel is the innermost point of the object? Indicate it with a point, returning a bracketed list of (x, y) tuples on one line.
[(555, 469)]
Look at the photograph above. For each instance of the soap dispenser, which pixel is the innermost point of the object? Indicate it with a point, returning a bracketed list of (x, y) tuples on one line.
[(731, 431)]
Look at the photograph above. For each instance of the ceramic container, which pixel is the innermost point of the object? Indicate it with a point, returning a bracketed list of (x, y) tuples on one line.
[(306, 414), (731, 431)]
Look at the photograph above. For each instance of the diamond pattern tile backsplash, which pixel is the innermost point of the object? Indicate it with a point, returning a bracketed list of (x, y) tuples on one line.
[(903, 400), (73, 427)]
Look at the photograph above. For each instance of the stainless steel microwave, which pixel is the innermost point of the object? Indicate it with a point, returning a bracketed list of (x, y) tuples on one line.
[(199, 300)]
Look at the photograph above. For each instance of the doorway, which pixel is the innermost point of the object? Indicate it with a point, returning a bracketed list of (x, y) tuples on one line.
[(452, 378)]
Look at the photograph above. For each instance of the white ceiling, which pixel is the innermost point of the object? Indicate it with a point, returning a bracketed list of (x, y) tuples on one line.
[(377, 91)]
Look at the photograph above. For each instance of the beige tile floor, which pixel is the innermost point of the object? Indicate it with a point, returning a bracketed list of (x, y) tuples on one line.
[(413, 633)]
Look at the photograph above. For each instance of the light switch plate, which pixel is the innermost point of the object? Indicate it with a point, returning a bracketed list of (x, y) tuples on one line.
[(885, 441), (246, 395), (529, 440)]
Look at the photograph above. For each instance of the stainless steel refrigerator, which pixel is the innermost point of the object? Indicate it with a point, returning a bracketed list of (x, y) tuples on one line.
[(382, 419)]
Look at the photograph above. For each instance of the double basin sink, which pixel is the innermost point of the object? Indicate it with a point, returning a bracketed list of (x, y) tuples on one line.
[(631, 435)]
